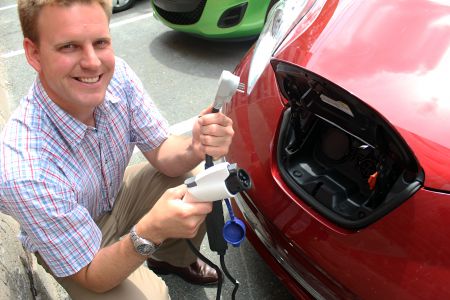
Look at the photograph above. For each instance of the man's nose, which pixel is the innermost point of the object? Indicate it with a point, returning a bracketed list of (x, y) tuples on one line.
[(90, 58)]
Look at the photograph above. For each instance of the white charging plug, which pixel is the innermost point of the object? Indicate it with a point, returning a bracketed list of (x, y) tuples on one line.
[(218, 182), (228, 85)]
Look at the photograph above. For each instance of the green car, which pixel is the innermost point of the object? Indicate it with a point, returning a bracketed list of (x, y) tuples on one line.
[(214, 19)]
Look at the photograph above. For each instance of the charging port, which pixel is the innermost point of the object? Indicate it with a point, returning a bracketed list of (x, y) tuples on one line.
[(338, 154)]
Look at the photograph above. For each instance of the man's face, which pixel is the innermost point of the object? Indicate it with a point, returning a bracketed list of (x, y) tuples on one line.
[(74, 57)]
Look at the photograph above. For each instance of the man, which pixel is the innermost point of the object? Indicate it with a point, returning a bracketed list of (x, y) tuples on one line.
[(64, 152)]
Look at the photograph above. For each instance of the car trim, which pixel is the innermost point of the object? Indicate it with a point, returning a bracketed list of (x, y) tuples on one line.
[(264, 238), (437, 190)]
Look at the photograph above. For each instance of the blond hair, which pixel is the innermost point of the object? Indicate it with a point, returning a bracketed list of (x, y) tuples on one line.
[(29, 12)]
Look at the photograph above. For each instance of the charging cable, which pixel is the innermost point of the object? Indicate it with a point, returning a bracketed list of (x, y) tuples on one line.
[(220, 182), (211, 185)]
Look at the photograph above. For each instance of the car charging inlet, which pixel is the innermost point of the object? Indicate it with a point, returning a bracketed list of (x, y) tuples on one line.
[(338, 154)]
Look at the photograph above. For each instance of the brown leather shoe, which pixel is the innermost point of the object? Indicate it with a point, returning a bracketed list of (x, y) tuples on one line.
[(197, 273)]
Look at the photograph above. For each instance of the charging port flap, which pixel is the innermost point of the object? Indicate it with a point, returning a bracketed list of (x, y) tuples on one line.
[(338, 154)]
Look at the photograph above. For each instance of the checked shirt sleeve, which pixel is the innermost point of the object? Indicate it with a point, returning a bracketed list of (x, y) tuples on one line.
[(36, 192), (56, 226)]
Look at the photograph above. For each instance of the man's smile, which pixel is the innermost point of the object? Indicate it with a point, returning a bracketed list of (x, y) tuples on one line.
[(89, 79)]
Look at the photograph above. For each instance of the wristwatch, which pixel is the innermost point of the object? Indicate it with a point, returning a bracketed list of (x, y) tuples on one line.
[(141, 245)]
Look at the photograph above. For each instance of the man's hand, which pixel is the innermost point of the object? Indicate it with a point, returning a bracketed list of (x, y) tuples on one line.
[(172, 217), (212, 134)]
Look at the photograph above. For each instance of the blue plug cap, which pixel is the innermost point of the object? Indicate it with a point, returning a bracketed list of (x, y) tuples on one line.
[(234, 232)]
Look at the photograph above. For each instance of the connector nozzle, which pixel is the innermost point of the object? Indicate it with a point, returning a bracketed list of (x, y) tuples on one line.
[(228, 85)]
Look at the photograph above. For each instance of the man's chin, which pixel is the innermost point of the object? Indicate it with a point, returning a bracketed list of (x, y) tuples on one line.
[(93, 100)]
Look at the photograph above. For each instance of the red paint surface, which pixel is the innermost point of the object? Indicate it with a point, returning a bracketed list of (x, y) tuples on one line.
[(395, 56)]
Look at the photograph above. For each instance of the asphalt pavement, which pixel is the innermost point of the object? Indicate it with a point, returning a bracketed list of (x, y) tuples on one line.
[(181, 74)]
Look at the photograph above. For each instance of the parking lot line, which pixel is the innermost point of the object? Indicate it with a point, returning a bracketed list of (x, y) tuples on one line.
[(8, 7), (131, 20), (183, 127), (12, 54), (180, 128)]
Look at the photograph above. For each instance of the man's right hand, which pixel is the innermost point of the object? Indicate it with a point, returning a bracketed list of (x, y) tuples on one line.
[(172, 217)]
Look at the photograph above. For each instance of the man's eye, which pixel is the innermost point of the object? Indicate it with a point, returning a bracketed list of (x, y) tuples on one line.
[(102, 43), (67, 47)]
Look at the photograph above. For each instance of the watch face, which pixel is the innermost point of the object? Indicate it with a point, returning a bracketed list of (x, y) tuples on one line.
[(145, 249)]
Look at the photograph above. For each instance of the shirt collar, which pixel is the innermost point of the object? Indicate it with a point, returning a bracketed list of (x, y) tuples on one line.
[(71, 129)]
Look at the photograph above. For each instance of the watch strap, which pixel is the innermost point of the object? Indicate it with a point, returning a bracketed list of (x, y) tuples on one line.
[(142, 245)]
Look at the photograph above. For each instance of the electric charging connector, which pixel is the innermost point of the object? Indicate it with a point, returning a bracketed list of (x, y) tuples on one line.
[(220, 181), (228, 85)]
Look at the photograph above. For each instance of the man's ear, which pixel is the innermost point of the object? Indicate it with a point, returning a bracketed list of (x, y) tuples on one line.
[(32, 54)]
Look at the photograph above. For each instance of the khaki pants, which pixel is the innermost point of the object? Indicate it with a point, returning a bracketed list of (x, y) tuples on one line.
[(142, 186)]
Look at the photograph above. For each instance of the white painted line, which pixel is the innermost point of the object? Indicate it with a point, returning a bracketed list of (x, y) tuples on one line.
[(180, 128), (12, 53), (112, 25), (8, 7), (131, 20)]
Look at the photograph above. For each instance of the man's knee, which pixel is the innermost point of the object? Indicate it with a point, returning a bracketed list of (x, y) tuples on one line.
[(142, 284)]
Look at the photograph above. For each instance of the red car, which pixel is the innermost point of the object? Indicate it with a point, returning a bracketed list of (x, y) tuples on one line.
[(344, 128)]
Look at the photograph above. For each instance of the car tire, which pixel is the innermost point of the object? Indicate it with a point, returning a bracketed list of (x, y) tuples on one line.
[(121, 5)]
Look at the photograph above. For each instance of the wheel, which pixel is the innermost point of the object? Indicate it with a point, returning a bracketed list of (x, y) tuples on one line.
[(121, 5)]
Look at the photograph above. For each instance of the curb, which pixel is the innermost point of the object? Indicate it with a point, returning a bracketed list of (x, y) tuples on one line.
[(21, 277)]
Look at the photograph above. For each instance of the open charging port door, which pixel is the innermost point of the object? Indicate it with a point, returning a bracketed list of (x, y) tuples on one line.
[(338, 154)]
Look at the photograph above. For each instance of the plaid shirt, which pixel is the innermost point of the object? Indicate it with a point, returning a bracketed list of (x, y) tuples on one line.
[(58, 174)]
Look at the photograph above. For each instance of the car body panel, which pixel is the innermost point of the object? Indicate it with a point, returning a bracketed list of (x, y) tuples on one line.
[(249, 27), (362, 59), (405, 254)]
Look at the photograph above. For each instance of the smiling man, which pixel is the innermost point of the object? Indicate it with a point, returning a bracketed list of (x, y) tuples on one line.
[(73, 54), (91, 220)]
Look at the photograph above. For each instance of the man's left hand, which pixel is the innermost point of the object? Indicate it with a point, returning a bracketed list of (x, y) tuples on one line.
[(212, 134)]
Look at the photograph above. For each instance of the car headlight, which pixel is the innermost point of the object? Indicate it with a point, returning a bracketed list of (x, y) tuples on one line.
[(283, 16)]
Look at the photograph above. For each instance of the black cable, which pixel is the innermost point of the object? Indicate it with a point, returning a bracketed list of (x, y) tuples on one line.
[(219, 245), (214, 224), (233, 281), (209, 163), (212, 265)]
